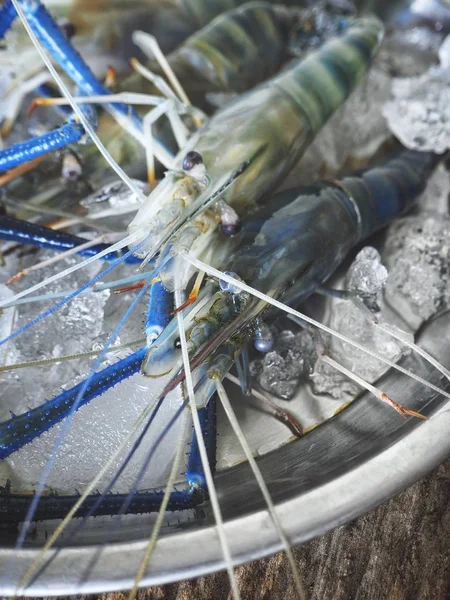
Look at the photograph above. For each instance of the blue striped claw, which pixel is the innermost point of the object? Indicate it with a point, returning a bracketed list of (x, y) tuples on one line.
[(70, 133), (32, 234), (20, 430), (195, 475), (23, 152), (55, 41), (14, 507), (7, 16)]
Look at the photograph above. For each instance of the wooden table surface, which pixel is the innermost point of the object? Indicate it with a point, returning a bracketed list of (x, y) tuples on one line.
[(399, 551)]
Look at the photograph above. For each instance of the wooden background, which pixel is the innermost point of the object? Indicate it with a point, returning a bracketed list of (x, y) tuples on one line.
[(399, 551)]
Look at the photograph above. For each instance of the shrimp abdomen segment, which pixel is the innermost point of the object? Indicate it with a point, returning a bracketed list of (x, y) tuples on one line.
[(227, 53), (320, 84)]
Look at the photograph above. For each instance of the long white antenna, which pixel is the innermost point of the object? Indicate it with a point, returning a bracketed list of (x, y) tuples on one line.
[(379, 394), (117, 246), (202, 450), (162, 509), (105, 238), (262, 485)]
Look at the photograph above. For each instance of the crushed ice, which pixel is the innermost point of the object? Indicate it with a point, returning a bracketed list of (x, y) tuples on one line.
[(281, 370), (417, 113), (417, 253), (367, 277)]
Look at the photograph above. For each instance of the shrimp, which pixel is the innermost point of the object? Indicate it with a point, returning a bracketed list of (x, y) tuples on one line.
[(223, 176), (170, 22), (233, 172), (296, 226), (225, 56), (242, 153), (204, 64)]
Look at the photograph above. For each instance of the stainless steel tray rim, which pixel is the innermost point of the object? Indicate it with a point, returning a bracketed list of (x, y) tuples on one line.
[(306, 516)]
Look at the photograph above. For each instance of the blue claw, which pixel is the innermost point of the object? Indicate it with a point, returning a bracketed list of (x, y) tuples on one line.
[(14, 507), (160, 308), (22, 232), (195, 475), (7, 15), (69, 133), (23, 152), (55, 41), (21, 430)]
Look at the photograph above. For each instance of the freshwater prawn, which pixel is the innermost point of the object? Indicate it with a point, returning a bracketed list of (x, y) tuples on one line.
[(214, 184)]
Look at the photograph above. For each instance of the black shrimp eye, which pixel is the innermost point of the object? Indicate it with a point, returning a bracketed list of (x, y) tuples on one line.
[(177, 344), (230, 229), (192, 159), (68, 28)]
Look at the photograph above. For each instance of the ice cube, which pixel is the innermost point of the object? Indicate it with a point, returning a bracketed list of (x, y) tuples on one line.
[(418, 112), (444, 53), (417, 253), (331, 382), (367, 277), (358, 325), (435, 197), (280, 371)]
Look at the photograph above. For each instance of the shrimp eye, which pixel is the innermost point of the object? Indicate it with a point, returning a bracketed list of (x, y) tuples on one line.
[(230, 222), (177, 344), (191, 160), (69, 29), (230, 229)]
